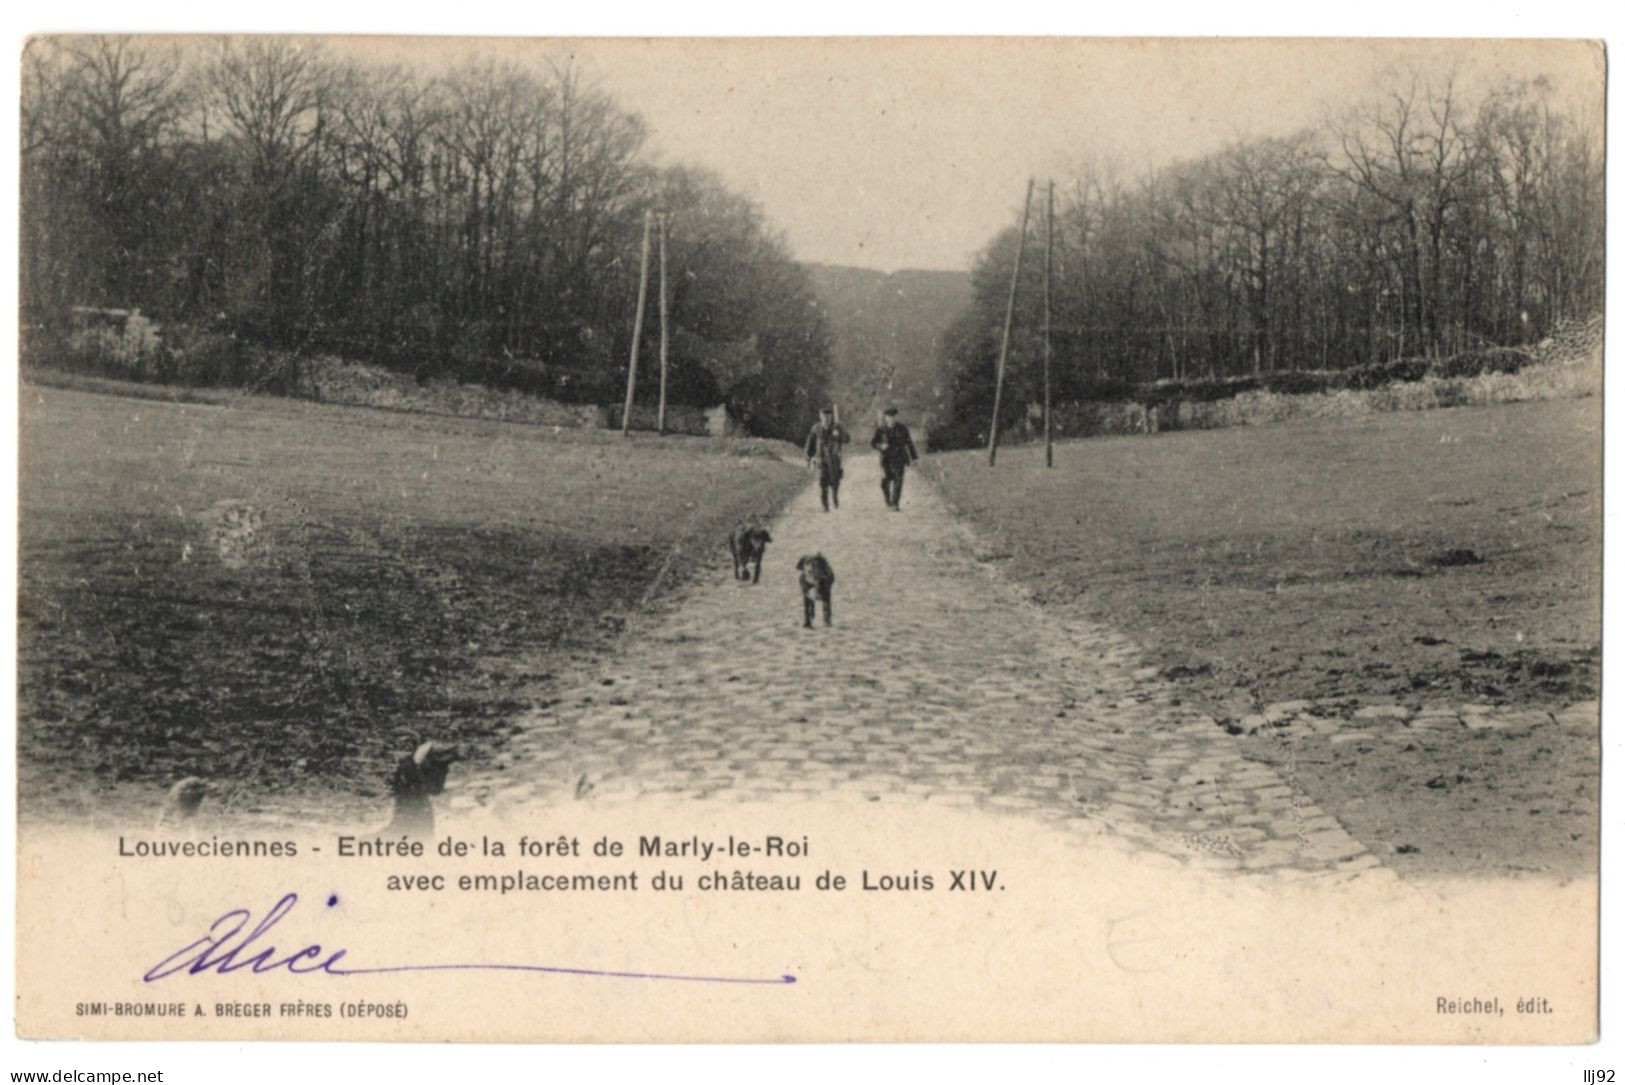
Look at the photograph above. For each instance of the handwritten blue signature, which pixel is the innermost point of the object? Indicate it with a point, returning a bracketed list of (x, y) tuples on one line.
[(226, 949)]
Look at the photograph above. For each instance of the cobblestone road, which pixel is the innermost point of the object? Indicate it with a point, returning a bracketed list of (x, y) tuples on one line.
[(939, 683)]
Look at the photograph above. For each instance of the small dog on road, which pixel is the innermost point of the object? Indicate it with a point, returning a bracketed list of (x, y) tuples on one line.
[(817, 578), (748, 545)]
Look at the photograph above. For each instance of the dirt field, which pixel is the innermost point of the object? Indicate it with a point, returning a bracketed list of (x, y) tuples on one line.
[(286, 597), (1434, 558)]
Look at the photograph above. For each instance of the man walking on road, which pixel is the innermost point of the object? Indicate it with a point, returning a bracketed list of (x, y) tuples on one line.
[(824, 446), (896, 449)]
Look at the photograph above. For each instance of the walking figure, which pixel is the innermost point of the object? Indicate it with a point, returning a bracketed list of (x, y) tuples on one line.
[(897, 451), (824, 447)]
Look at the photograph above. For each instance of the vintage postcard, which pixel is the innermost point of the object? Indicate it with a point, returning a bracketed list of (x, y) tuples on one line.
[(809, 540)]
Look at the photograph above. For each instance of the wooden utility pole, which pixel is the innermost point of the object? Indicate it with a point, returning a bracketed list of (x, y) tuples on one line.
[(664, 336), (637, 328), (1049, 272), (1009, 318)]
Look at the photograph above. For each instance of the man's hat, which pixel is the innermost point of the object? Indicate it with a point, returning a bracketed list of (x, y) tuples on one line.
[(826, 410), (889, 410)]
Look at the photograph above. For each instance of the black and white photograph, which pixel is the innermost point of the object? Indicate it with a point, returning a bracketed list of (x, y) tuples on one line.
[(710, 523)]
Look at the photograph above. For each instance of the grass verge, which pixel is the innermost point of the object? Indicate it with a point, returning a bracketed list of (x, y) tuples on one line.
[(284, 596), (1432, 558)]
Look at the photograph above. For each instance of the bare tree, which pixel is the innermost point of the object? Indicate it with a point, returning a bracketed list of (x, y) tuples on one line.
[(1420, 223)]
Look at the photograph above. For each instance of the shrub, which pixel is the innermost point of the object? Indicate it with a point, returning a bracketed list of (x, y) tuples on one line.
[(1407, 370), (1214, 389), (1106, 391), (105, 342), (1381, 374), (1160, 393), (1473, 362), (1450, 393), (1385, 392), (201, 357), (1298, 382)]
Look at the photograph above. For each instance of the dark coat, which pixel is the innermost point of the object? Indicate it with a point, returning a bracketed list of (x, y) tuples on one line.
[(824, 445), (895, 445)]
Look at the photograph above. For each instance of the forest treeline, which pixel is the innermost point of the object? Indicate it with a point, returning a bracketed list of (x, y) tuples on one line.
[(1419, 226), (483, 223)]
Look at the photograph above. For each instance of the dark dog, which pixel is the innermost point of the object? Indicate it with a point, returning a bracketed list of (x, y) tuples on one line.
[(747, 545), (817, 578), (418, 776)]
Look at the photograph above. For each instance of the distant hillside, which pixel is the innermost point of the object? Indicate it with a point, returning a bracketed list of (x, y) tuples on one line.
[(885, 330)]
